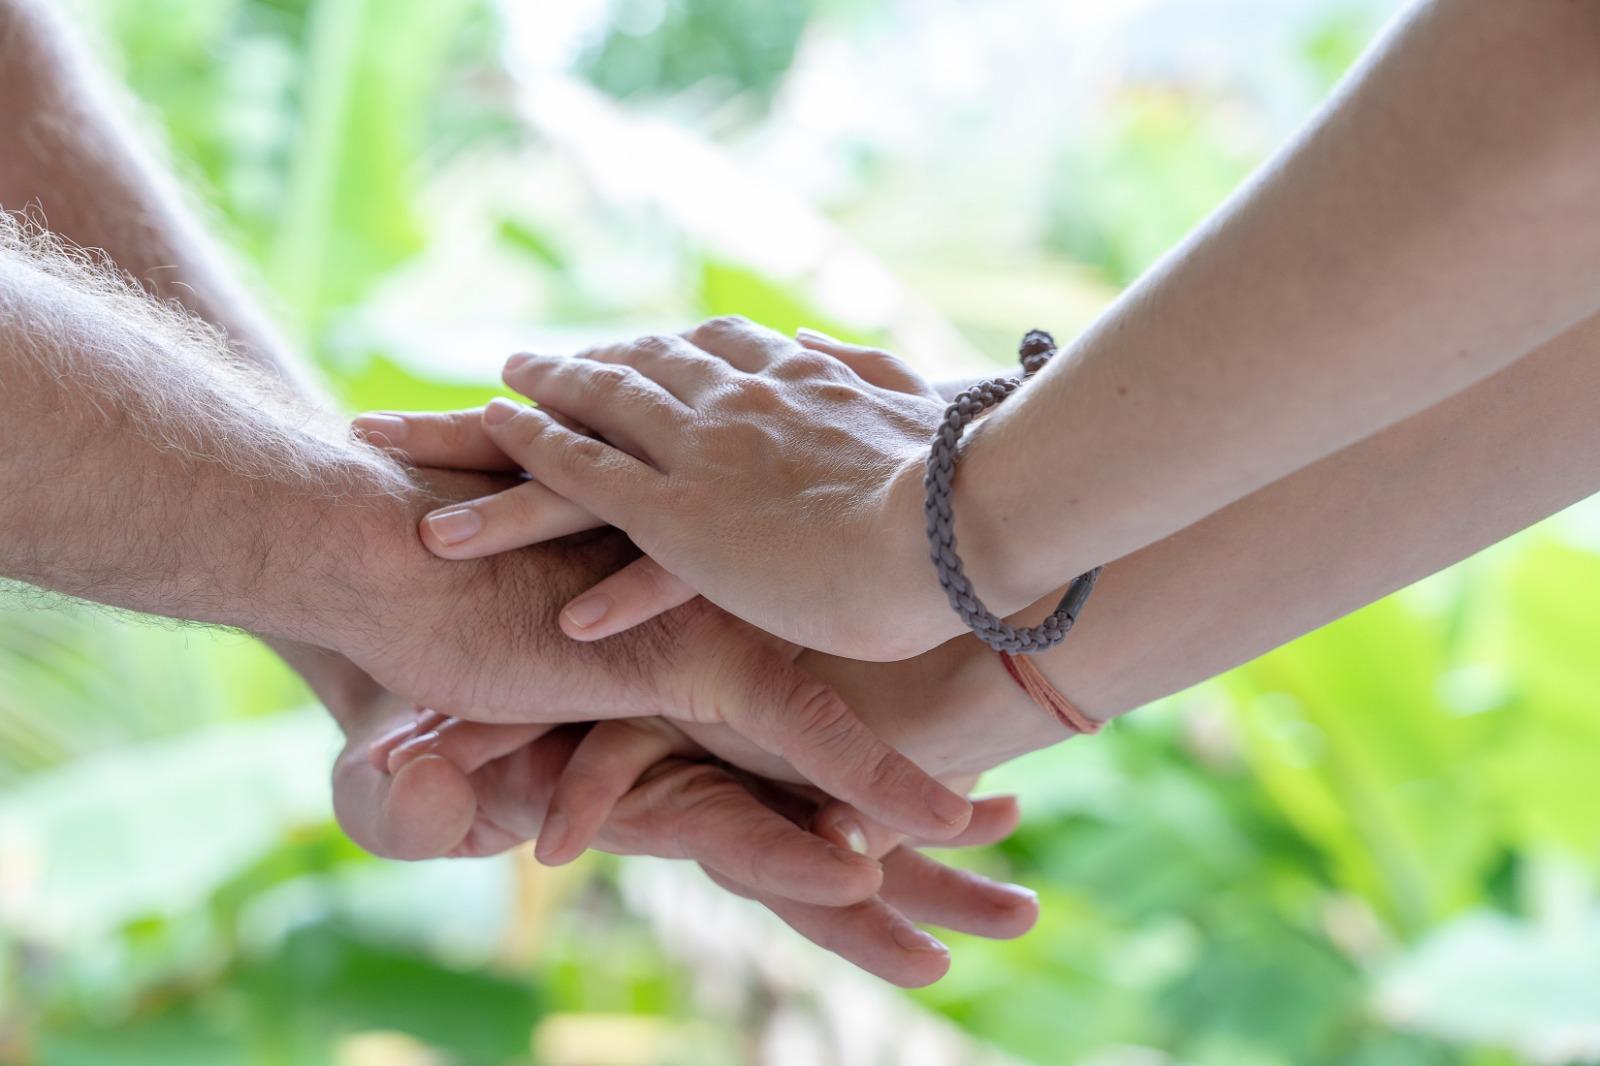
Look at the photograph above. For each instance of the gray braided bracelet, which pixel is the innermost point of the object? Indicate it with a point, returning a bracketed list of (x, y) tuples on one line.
[(1036, 349)]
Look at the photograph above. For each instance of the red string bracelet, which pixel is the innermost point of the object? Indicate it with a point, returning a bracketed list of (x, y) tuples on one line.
[(1043, 693)]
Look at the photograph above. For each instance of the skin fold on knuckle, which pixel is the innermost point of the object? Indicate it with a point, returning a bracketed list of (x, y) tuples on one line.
[(721, 327), (578, 457), (456, 429), (826, 725), (749, 397), (523, 431), (656, 344), (606, 378)]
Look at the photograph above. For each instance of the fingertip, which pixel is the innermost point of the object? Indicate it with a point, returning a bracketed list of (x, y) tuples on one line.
[(550, 847), (454, 525), (951, 812), (381, 429), (498, 411), (999, 804), (438, 548), (582, 617), (841, 826), (581, 633), (858, 878), (923, 959), (607, 624), (1016, 913), (429, 810), (814, 337)]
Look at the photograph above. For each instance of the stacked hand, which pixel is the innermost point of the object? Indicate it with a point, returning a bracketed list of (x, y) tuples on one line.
[(781, 479), (467, 789), (422, 784)]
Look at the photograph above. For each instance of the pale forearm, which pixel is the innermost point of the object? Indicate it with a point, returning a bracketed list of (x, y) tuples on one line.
[(1432, 226), (1287, 559)]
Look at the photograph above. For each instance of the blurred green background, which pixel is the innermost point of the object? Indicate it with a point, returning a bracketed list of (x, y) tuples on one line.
[(1376, 846)]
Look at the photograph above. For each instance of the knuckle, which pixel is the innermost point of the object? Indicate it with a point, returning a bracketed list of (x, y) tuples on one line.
[(656, 344), (806, 364), (702, 794), (754, 394), (524, 429), (761, 857), (608, 377), (454, 428), (721, 326), (824, 722), (579, 456), (530, 367), (882, 772)]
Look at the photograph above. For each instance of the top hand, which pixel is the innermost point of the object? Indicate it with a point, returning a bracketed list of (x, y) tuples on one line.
[(780, 482)]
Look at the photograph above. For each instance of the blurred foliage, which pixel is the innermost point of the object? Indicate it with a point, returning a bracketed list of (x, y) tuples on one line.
[(1162, 160), (1374, 847), (717, 49)]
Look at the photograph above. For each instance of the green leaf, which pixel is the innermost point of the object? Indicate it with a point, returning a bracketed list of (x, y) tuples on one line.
[(155, 828), (329, 980), (1488, 979)]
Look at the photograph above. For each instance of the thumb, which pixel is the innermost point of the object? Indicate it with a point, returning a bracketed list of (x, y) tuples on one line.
[(758, 691), (424, 811)]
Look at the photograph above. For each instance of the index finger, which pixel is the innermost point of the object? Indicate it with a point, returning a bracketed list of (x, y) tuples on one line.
[(452, 440), (698, 811)]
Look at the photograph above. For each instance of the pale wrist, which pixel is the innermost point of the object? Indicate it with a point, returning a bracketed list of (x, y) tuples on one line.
[(993, 502), (902, 579), (952, 710)]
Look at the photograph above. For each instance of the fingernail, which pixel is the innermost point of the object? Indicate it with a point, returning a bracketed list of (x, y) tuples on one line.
[(911, 938), (454, 526), (945, 805), (586, 611), (552, 835), (518, 360), (850, 831), (499, 410), (805, 333), (1014, 895), (412, 750), (383, 431)]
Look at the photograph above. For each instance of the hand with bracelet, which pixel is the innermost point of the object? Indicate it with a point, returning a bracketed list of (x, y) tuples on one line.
[(1427, 230)]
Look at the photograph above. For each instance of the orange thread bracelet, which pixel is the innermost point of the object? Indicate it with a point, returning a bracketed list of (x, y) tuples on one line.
[(1045, 695)]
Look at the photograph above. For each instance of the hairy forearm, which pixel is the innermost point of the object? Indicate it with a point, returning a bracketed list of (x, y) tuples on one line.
[(164, 472), (70, 161), (1435, 223), (1370, 519), (144, 466)]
